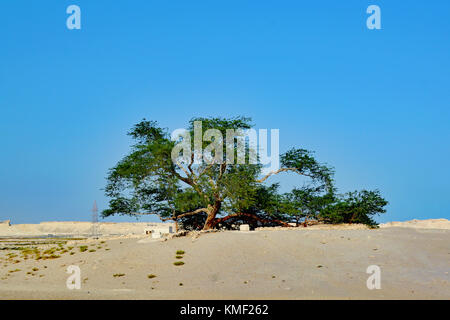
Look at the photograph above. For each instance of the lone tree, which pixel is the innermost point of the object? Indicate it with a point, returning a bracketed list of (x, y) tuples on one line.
[(202, 189)]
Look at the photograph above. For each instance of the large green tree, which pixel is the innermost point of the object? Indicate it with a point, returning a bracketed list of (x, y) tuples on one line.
[(149, 181)]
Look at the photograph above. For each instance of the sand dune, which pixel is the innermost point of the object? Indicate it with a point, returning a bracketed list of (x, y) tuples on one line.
[(76, 228), (420, 224)]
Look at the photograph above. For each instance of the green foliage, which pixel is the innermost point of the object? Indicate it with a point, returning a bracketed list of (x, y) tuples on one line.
[(305, 203), (355, 207), (305, 164), (201, 195)]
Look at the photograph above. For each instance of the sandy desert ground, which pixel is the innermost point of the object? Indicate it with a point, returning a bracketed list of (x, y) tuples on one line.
[(296, 263), (76, 228)]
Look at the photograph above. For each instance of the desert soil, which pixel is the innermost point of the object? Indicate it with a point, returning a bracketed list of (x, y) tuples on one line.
[(300, 263)]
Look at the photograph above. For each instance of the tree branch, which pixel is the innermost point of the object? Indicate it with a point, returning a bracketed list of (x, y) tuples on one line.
[(283, 170), (184, 170), (205, 210), (190, 164)]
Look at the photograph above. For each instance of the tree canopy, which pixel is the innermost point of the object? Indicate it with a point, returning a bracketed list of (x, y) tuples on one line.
[(202, 192)]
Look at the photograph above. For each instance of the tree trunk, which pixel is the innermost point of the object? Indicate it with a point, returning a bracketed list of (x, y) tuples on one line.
[(212, 212), (209, 222)]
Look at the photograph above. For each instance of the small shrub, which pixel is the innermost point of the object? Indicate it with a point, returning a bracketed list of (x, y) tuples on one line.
[(178, 263), (53, 256), (118, 275), (83, 248), (179, 257), (151, 276), (180, 252), (50, 251)]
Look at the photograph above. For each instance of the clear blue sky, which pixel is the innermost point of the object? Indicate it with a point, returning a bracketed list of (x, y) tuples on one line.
[(375, 104)]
